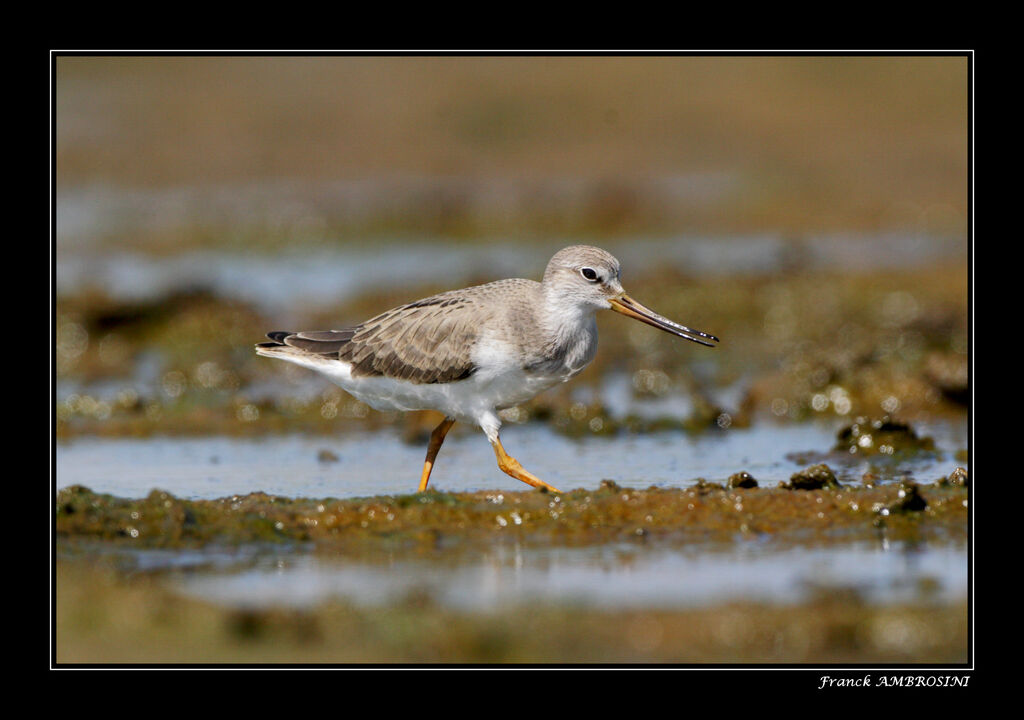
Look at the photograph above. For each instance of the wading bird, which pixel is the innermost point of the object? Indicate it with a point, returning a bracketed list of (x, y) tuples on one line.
[(469, 353)]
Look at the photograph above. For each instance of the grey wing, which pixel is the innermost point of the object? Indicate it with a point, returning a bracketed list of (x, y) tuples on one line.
[(318, 342), (428, 341)]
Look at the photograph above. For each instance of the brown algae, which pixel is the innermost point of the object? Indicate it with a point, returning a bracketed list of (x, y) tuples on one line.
[(707, 511), (106, 615), (182, 364), (885, 436), (815, 477)]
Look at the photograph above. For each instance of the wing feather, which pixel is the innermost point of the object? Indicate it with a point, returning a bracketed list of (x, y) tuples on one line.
[(427, 341)]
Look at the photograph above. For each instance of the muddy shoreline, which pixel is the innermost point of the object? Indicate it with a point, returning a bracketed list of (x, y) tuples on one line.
[(822, 513), (107, 613)]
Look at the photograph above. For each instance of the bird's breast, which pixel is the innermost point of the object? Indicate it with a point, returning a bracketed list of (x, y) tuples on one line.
[(565, 354)]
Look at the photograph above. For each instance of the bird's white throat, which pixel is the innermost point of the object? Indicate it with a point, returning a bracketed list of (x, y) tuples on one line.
[(569, 330)]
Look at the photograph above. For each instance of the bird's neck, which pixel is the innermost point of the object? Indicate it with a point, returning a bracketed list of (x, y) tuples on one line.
[(569, 330)]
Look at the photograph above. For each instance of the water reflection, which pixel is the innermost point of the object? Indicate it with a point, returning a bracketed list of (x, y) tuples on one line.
[(610, 576)]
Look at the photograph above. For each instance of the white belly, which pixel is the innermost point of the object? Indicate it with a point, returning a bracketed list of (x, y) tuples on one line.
[(498, 382), (494, 386), (466, 400)]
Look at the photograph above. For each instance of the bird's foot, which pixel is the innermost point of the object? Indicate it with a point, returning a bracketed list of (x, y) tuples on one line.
[(510, 466)]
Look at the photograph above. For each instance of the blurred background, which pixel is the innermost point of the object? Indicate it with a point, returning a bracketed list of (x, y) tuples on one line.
[(522, 145), (813, 212), (769, 200)]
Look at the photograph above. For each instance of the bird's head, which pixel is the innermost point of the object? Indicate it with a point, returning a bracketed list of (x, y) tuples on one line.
[(589, 277)]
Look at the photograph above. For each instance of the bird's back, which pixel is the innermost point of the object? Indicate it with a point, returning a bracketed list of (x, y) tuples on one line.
[(431, 340)]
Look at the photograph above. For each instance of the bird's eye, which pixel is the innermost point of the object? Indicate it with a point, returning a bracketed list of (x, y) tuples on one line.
[(589, 273)]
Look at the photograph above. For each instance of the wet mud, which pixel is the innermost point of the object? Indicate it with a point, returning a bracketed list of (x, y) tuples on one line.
[(106, 613), (813, 507), (804, 345), (880, 353)]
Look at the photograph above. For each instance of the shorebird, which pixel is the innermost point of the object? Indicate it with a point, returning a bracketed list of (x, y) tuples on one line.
[(469, 353)]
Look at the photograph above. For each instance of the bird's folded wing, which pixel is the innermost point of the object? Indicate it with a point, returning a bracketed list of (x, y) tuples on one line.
[(429, 341), (319, 342)]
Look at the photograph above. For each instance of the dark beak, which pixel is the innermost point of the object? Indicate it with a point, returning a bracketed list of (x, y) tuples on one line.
[(631, 308)]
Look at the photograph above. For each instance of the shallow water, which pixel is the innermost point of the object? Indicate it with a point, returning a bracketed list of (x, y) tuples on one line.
[(614, 576), (611, 576), (320, 276), (380, 463)]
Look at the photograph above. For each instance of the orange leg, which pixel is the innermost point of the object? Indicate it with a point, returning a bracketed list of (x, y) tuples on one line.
[(436, 438), (510, 466)]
